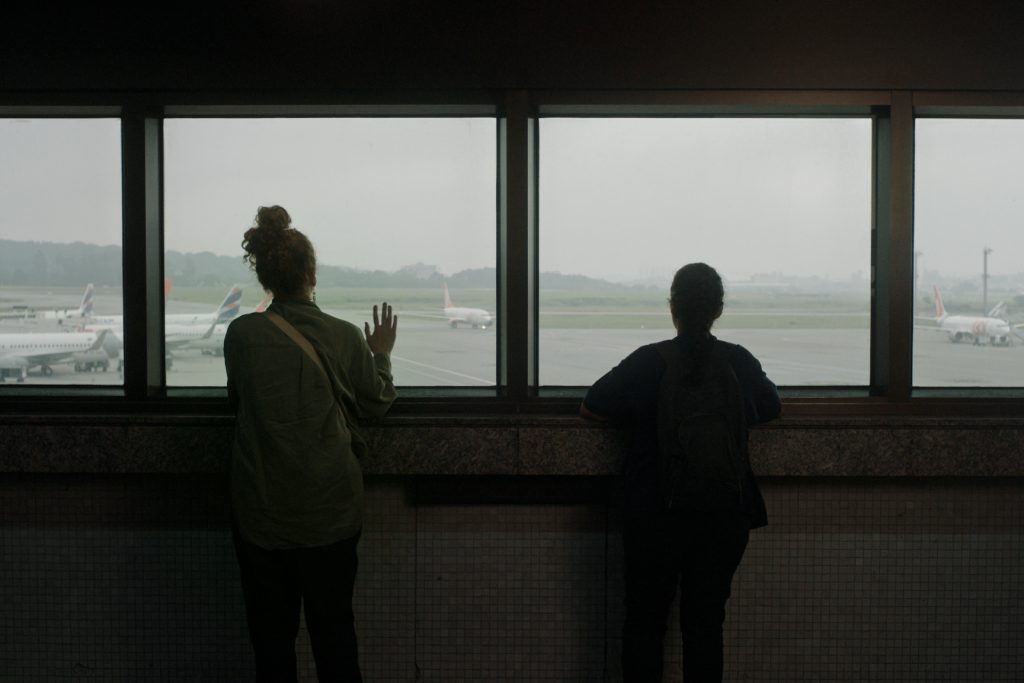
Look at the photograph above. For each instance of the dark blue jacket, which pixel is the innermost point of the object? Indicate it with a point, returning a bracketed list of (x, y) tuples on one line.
[(628, 394)]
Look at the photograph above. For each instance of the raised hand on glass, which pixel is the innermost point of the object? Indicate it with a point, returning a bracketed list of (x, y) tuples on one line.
[(382, 338)]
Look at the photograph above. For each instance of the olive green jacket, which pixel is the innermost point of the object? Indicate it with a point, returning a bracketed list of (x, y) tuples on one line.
[(295, 478)]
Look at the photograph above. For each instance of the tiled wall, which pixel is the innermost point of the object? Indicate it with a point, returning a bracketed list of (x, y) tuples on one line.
[(132, 578)]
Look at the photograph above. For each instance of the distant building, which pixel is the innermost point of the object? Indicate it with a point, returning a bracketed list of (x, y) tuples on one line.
[(421, 271)]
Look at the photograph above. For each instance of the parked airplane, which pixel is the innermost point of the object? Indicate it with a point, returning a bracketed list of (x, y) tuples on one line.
[(74, 317), (477, 317), (213, 343), (71, 316), (977, 329), (227, 310), (21, 352), (175, 337)]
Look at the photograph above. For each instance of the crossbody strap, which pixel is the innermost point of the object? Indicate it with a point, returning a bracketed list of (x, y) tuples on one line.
[(358, 442), (298, 338)]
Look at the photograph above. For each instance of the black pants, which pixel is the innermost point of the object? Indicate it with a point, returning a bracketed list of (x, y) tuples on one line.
[(276, 583), (699, 553)]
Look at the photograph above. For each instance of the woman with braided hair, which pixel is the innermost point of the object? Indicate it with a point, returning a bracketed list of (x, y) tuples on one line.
[(690, 548), (298, 381)]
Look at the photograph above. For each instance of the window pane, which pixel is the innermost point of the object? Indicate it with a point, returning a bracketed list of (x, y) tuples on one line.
[(780, 207), (969, 223), (397, 209), (60, 250)]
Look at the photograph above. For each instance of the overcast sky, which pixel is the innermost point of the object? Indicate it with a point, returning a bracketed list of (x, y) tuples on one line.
[(619, 198)]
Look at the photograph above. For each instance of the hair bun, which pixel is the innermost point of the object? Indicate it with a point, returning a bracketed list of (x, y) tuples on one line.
[(273, 218)]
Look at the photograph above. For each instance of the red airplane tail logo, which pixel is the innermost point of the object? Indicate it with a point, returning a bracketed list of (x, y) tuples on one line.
[(447, 296), (940, 310)]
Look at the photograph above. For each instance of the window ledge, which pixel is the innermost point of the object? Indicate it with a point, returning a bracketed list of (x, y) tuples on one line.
[(521, 445)]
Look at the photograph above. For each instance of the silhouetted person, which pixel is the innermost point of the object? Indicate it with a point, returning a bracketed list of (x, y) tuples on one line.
[(690, 546), (296, 484)]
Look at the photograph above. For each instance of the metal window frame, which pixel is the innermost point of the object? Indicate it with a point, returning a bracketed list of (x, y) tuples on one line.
[(886, 342), (978, 106), (890, 393)]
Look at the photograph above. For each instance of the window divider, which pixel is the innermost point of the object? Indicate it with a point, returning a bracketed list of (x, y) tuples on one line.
[(142, 254), (517, 261), (900, 272)]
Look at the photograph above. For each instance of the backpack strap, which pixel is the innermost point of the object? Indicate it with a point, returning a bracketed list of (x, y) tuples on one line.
[(672, 354), (702, 460)]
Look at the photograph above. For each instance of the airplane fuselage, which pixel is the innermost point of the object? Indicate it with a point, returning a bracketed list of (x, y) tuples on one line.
[(169, 320), (15, 345), (976, 329), (476, 317), (20, 352)]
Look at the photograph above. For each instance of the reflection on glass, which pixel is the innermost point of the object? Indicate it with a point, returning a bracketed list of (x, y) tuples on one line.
[(399, 210), (780, 207), (968, 239), (60, 251)]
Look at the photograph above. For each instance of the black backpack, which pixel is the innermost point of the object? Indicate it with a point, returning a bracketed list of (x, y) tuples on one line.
[(702, 451)]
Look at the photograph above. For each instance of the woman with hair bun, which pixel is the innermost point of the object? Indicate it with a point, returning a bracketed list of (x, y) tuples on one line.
[(679, 533), (298, 379)]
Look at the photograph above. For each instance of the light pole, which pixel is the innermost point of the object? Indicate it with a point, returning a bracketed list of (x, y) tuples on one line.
[(984, 280), (917, 255)]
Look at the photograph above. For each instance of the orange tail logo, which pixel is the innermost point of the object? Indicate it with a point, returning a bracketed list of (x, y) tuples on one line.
[(447, 297), (940, 310)]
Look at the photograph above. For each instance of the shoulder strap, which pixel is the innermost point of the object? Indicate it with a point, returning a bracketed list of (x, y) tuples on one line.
[(296, 337), (359, 444)]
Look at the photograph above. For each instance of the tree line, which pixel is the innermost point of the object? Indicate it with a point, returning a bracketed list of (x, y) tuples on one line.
[(56, 264)]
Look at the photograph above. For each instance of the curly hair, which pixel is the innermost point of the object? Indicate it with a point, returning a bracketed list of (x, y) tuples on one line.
[(697, 297), (282, 257)]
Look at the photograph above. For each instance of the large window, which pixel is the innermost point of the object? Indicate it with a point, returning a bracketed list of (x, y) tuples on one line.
[(60, 250), (780, 207), (401, 210), (968, 242), (404, 205)]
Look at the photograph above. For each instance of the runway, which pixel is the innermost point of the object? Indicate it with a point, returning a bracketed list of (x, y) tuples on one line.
[(430, 353)]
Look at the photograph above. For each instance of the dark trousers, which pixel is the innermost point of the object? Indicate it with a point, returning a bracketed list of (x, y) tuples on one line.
[(276, 583), (699, 553)]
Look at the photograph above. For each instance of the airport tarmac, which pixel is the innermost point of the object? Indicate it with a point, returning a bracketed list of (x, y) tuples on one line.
[(430, 353)]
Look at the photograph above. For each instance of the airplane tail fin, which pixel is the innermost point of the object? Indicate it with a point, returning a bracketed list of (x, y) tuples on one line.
[(229, 307), (168, 283), (85, 309), (940, 310), (262, 306), (447, 296)]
